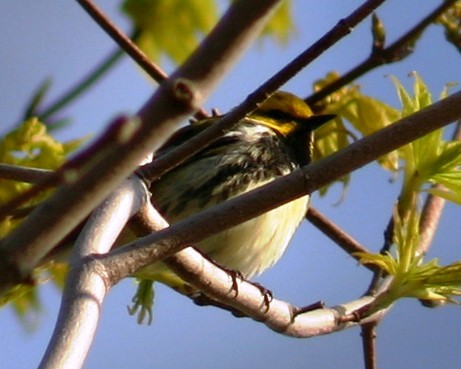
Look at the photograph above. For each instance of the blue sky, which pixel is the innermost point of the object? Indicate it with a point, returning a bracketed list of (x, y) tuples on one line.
[(57, 39)]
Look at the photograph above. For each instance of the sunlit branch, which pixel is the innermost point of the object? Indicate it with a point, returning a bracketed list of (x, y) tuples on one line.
[(395, 52)]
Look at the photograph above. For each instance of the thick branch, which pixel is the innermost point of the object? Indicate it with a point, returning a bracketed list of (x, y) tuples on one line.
[(175, 99), (87, 284), (278, 315), (247, 298), (196, 143), (306, 180)]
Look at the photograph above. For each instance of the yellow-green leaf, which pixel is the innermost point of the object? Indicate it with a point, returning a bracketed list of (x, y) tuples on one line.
[(29, 145), (171, 27), (451, 21), (174, 28), (366, 114), (280, 26)]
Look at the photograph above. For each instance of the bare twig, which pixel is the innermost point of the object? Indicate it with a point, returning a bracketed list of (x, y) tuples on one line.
[(369, 344), (151, 68), (378, 57), (125, 43), (336, 234), (306, 180), (430, 217), (196, 143), (172, 102), (68, 172), (86, 284), (387, 243), (247, 298), (23, 174)]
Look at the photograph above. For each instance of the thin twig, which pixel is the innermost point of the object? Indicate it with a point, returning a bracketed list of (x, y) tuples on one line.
[(23, 174), (154, 71), (196, 143), (171, 104), (67, 173), (337, 235), (378, 57), (287, 188), (126, 44), (387, 243), (369, 344)]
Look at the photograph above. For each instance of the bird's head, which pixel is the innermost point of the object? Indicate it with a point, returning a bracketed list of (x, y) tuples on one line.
[(288, 114)]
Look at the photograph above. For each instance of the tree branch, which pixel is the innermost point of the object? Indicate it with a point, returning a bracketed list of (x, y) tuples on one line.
[(246, 297), (178, 155), (173, 101), (23, 174), (395, 52), (125, 43), (303, 181), (337, 235), (86, 284), (369, 344)]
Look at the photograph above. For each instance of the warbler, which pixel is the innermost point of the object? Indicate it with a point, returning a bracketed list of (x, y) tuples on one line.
[(269, 143), (273, 141)]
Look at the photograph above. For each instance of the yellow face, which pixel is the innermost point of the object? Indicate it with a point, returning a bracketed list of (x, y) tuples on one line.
[(288, 103), (283, 112)]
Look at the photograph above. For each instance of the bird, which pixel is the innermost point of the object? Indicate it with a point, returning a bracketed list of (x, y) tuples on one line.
[(269, 143)]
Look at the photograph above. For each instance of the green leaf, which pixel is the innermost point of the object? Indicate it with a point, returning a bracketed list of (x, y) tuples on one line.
[(422, 94), (378, 32), (25, 302), (37, 99), (408, 105), (30, 145), (386, 262), (281, 26), (170, 28), (451, 22), (174, 28), (448, 194), (409, 275), (366, 114), (430, 159), (330, 138)]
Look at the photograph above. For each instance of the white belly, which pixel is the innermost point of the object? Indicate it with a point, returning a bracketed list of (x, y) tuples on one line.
[(257, 244)]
